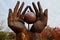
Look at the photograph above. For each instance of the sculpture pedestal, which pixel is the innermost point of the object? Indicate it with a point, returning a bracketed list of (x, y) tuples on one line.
[(21, 36), (28, 36)]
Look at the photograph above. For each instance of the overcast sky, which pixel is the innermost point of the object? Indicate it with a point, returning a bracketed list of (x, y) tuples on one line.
[(52, 6)]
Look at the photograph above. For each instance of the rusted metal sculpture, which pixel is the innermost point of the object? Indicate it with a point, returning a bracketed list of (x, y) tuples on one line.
[(16, 22)]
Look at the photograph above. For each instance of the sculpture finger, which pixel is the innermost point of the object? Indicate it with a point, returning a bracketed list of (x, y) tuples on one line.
[(46, 12), (20, 9), (35, 8), (39, 6), (9, 17), (24, 10), (15, 9), (45, 17), (40, 9)]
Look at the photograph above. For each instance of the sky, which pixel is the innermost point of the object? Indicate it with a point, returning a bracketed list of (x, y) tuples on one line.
[(52, 6)]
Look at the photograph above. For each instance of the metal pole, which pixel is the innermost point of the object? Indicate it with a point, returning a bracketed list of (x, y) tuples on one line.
[(28, 27)]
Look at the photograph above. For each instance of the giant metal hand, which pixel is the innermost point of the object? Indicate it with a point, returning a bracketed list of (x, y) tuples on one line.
[(16, 22), (42, 17)]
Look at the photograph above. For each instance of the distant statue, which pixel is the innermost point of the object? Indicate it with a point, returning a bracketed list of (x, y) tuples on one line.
[(17, 18)]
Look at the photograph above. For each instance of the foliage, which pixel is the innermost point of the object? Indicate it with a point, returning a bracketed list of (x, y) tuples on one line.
[(50, 34), (2, 35), (6, 36), (47, 34)]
